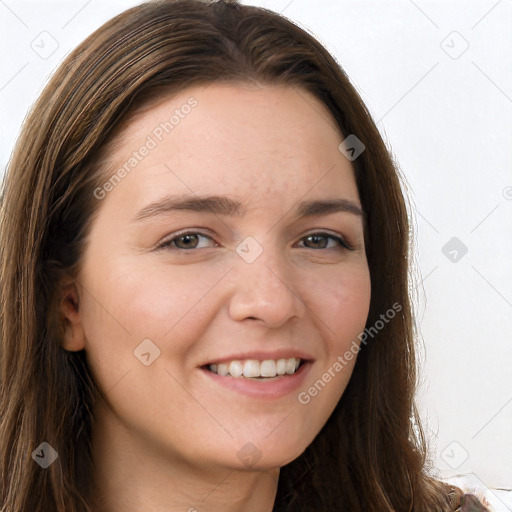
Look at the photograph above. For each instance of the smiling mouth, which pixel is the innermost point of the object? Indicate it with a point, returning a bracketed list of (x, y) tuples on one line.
[(269, 369)]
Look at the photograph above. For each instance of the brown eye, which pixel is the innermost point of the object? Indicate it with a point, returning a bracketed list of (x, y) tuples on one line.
[(321, 241), (185, 241), (317, 241)]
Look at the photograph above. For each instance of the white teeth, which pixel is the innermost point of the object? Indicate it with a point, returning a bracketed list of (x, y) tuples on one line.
[(235, 368), (222, 369), (290, 366), (252, 368), (268, 368)]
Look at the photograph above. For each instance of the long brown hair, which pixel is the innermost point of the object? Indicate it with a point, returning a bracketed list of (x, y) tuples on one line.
[(371, 454)]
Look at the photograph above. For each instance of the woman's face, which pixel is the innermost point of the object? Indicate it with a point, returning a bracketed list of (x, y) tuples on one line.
[(261, 276)]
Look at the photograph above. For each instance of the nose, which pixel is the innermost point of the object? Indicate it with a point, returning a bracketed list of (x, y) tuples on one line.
[(265, 290)]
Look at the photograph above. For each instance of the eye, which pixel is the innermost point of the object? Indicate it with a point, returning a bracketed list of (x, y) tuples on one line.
[(321, 241), (189, 240), (185, 241)]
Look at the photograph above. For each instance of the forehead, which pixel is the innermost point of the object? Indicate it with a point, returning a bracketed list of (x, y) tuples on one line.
[(265, 140)]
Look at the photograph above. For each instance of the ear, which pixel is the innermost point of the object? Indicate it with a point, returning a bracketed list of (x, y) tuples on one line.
[(73, 334)]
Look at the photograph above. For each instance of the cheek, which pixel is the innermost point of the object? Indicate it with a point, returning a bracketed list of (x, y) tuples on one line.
[(343, 303), (124, 304), (341, 308)]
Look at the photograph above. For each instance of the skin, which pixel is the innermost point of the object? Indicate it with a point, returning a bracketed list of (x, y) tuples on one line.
[(167, 437)]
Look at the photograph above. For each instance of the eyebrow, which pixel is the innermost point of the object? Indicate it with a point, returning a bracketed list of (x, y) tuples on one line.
[(221, 205)]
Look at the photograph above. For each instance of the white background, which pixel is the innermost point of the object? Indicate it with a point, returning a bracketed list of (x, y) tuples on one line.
[(445, 111)]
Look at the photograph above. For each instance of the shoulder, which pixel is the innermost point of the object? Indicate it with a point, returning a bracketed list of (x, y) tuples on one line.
[(473, 503), (470, 494)]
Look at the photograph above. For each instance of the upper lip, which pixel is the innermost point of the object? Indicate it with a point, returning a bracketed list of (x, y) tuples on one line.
[(261, 355)]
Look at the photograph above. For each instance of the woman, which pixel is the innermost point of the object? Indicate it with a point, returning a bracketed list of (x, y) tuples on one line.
[(204, 281)]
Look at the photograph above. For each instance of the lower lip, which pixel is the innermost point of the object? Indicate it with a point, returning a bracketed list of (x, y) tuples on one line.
[(267, 389)]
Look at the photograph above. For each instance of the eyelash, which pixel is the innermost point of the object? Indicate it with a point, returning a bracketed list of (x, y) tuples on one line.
[(166, 244)]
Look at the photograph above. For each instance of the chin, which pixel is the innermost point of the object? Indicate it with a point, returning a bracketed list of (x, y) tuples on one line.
[(262, 457)]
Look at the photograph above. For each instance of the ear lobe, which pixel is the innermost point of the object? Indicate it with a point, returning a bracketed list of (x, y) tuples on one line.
[(73, 335)]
